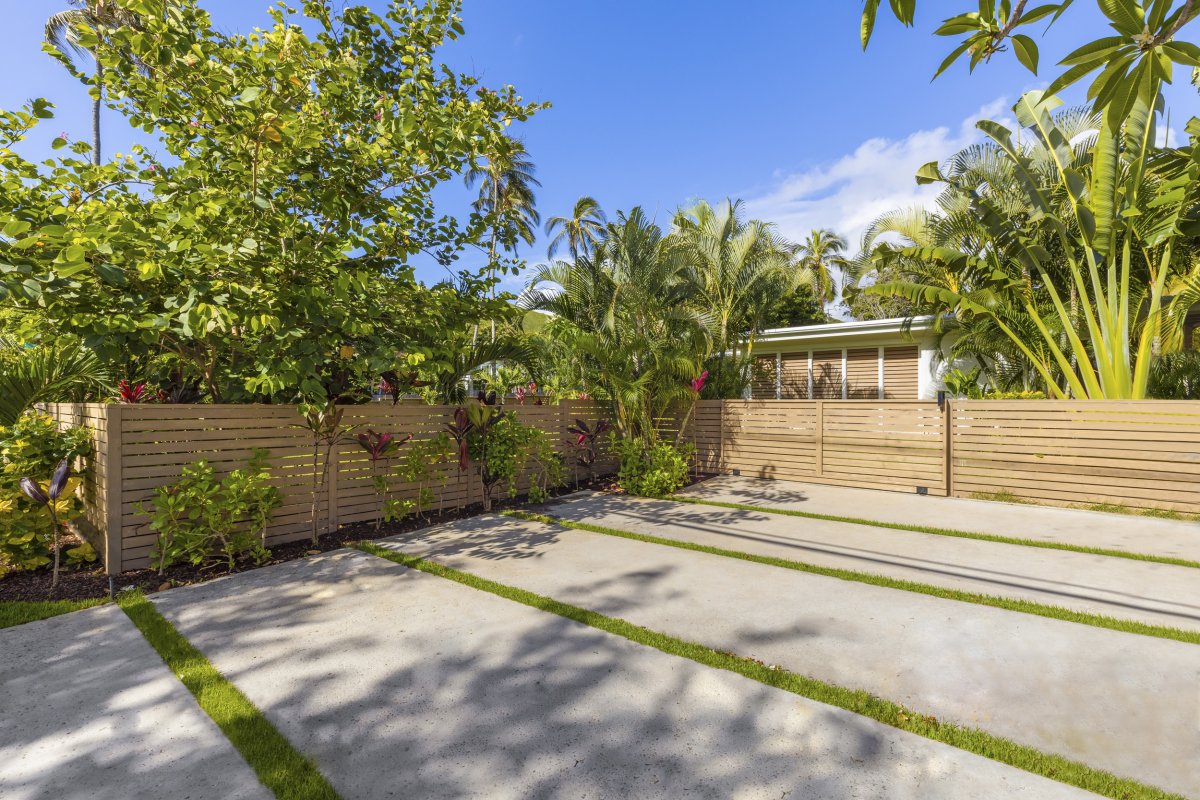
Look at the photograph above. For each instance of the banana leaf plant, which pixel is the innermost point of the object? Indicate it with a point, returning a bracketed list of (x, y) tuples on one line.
[(48, 499), (1114, 230)]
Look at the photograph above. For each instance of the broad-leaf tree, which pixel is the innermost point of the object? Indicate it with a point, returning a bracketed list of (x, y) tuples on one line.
[(268, 252)]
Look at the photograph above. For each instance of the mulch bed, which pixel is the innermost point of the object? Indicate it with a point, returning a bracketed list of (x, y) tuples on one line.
[(91, 582)]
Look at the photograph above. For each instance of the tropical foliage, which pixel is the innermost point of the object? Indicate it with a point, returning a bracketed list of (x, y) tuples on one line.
[(267, 254), (641, 314), (1066, 251), (32, 449)]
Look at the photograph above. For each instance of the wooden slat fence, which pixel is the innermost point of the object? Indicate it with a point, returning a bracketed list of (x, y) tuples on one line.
[(1142, 454), (1138, 453), (148, 445), (894, 444)]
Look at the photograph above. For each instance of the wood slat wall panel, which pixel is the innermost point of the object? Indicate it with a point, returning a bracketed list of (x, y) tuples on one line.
[(901, 376), (1142, 454), (793, 376), (862, 373), (827, 375), (762, 378)]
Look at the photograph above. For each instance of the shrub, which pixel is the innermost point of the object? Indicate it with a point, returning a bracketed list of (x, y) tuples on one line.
[(33, 447), (423, 465), (205, 520), (1032, 394), (654, 470), (545, 463)]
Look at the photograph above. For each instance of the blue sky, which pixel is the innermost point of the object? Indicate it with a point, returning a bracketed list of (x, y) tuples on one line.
[(656, 103)]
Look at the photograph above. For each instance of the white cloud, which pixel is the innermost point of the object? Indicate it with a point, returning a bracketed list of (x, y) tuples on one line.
[(850, 192)]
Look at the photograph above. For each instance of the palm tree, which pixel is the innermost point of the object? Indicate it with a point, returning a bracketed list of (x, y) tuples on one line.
[(63, 371), (735, 269), (506, 184), (821, 252), (506, 191), (581, 231), (62, 33), (631, 325)]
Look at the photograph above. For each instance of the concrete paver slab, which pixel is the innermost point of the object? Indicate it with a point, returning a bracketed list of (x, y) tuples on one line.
[(1136, 534), (1143, 591), (88, 711), (401, 684), (1117, 701)]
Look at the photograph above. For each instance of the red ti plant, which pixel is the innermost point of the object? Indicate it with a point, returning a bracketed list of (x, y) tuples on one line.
[(458, 430), (698, 383), (380, 447), (133, 393), (586, 441), (48, 499)]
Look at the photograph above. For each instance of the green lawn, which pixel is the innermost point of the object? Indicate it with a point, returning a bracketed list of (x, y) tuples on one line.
[(18, 612)]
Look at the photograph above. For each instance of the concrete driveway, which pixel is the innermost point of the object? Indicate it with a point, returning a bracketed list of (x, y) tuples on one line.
[(401, 684)]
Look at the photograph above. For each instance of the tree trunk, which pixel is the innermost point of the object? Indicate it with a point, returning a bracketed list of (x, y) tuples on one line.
[(96, 103)]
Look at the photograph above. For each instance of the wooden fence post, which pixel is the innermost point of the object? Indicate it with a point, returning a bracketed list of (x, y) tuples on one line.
[(948, 448), (820, 434), (114, 423), (721, 423)]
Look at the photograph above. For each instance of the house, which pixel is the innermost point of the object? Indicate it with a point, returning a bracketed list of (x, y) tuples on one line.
[(892, 359)]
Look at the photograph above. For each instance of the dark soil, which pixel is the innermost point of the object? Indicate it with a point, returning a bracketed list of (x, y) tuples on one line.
[(91, 581)]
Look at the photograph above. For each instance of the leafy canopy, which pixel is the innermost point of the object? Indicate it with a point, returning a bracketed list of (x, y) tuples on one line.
[(267, 253)]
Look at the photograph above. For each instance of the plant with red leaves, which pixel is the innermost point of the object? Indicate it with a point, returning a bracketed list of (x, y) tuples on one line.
[(586, 441), (133, 393), (458, 430), (380, 447), (698, 383)]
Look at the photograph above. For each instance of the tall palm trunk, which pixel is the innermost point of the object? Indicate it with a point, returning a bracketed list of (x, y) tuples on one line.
[(96, 102)]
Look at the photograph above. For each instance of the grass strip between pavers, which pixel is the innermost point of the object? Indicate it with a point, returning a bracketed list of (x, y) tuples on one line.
[(280, 767), (904, 526), (995, 601), (856, 700), (18, 612)]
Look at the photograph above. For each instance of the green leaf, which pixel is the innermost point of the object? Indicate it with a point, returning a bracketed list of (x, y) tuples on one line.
[(929, 173), (1034, 14), (1125, 14), (1182, 52), (1027, 52), (250, 94), (870, 10), (950, 59), (1093, 52)]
